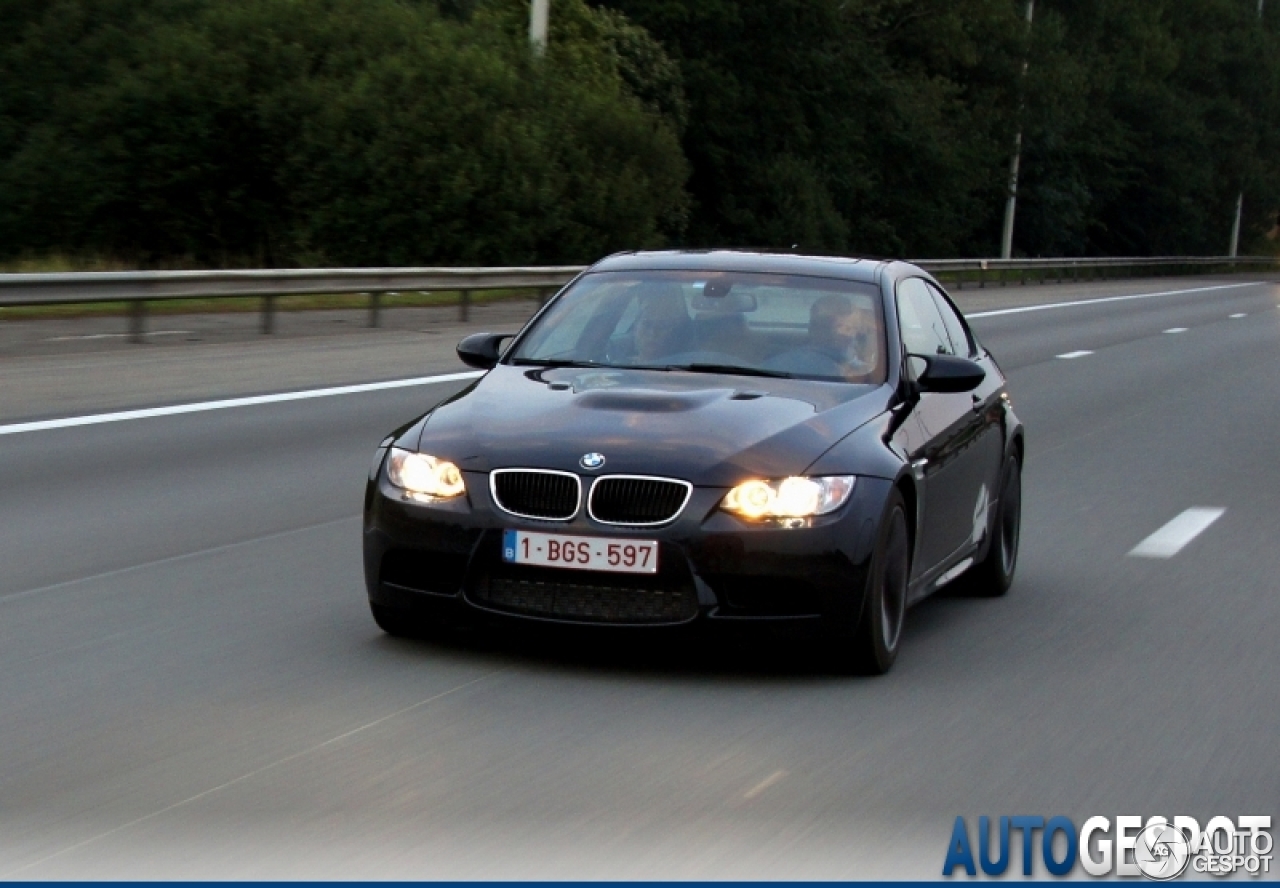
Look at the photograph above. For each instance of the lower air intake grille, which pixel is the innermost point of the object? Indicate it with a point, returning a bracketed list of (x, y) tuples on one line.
[(530, 493), (437, 573), (589, 603), (627, 500)]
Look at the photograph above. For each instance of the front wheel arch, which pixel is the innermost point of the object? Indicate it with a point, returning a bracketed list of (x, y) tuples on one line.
[(866, 641), (906, 487), (992, 575)]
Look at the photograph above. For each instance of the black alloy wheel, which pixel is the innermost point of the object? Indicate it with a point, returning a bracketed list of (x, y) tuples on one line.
[(872, 646)]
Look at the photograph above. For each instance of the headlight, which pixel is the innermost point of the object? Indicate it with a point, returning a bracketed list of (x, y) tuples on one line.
[(425, 475), (788, 498)]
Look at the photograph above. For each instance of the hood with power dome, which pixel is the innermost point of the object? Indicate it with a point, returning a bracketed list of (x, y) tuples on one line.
[(712, 430)]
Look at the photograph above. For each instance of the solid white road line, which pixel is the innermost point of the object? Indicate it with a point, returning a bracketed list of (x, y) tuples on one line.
[(1070, 356), (1050, 305), (1176, 330), (1170, 539), (227, 403)]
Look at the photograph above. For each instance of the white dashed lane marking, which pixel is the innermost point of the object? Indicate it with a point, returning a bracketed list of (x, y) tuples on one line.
[(1075, 354), (764, 784), (1240, 315), (1176, 330), (1174, 536), (116, 335)]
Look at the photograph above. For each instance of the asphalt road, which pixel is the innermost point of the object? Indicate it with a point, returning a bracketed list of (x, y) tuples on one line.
[(191, 686)]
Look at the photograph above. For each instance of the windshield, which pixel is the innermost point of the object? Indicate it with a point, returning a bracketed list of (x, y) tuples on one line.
[(785, 326)]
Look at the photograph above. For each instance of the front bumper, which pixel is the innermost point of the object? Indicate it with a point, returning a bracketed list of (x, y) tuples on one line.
[(713, 567)]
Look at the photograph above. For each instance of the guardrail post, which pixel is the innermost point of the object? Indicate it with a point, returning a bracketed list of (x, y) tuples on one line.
[(375, 308), (982, 275), (268, 314), (464, 305), (137, 321)]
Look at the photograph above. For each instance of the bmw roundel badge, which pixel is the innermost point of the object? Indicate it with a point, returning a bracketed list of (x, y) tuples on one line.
[(591, 461)]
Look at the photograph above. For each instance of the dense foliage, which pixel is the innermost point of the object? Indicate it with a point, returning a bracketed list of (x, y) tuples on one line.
[(278, 132), (318, 131), (886, 126)]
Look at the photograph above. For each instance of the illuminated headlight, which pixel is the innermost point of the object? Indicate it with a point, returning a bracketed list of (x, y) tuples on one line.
[(425, 476), (788, 498)]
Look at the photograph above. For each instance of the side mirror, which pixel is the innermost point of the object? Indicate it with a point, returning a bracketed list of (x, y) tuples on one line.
[(947, 373), (482, 350)]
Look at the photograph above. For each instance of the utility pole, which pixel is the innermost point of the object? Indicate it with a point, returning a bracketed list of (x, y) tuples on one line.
[(1011, 205), (1235, 226), (539, 11)]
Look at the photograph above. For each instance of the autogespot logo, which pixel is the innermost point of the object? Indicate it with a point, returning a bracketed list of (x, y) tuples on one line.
[(1156, 847), (1162, 852)]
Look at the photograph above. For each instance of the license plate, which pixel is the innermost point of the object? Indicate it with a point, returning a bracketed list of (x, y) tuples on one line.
[(579, 552)]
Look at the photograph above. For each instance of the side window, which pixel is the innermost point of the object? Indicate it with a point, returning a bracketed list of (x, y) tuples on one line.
[(960, 337), (923, 330)]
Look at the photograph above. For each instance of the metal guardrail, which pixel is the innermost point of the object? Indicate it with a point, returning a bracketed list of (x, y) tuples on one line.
[(137, 288), (1023, 270)]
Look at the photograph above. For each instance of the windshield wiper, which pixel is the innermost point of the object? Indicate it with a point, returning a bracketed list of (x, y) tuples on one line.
[(731, 369), (553, 363)]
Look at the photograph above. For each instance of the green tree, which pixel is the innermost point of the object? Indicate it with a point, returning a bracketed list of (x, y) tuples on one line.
[(353, 131), (877, 126), (1145, 122)]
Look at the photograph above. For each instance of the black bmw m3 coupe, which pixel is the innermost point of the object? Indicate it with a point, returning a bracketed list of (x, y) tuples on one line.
[(684, 437)]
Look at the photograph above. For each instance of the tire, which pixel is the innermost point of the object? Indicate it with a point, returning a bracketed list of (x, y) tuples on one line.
[(870, 646), (993, 575)]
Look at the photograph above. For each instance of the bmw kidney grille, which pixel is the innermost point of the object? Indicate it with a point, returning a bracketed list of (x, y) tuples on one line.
[(636, 500), (536, 493)]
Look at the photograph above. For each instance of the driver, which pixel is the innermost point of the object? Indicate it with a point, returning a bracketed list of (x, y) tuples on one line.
[(846, 332), (662, 326)]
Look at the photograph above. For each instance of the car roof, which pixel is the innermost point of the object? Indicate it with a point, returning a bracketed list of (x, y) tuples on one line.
[(845, 268)]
